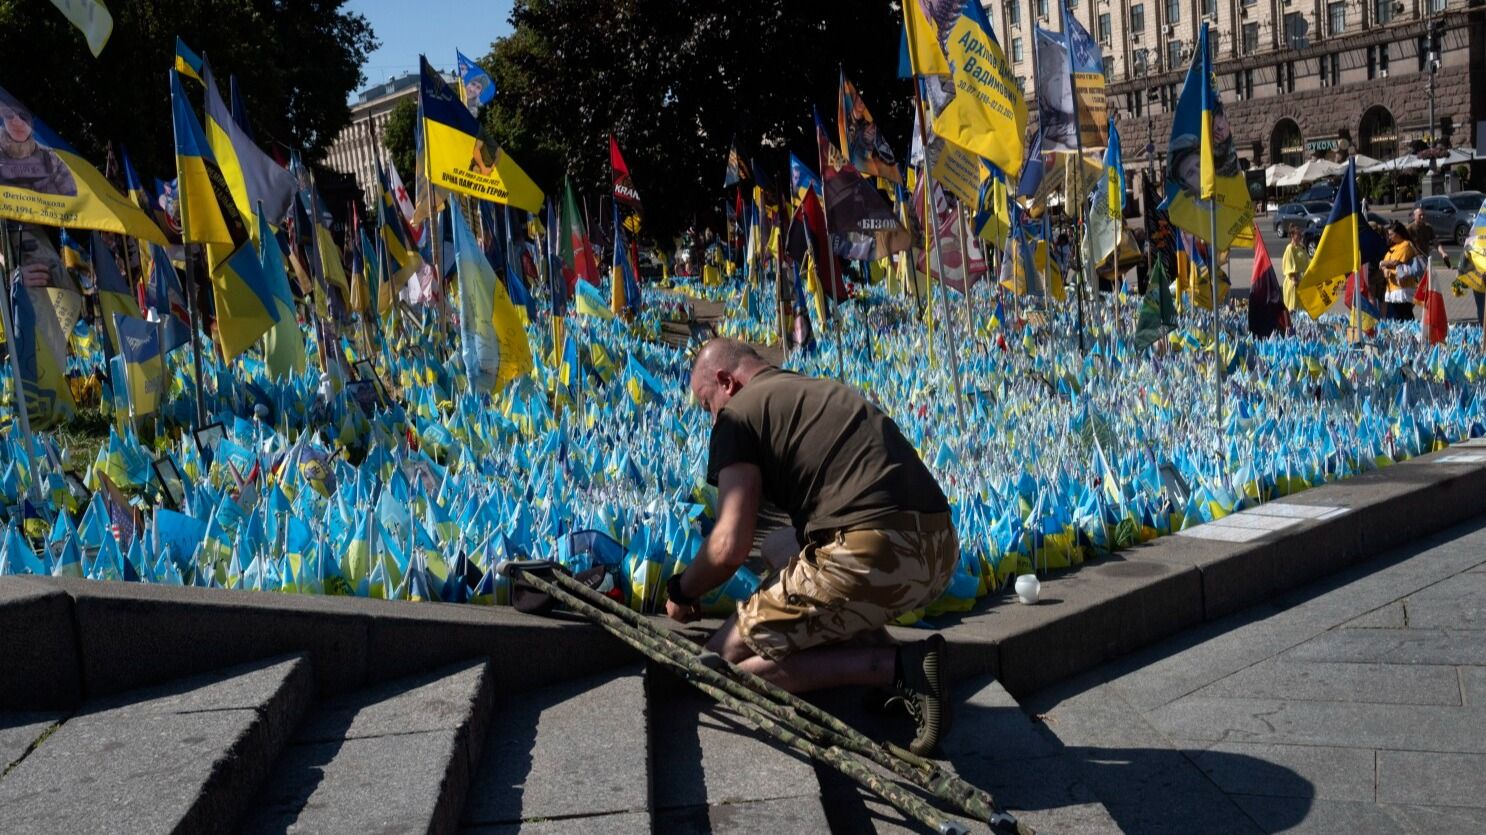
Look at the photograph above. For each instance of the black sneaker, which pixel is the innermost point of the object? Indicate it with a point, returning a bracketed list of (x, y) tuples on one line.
[(921, 685)]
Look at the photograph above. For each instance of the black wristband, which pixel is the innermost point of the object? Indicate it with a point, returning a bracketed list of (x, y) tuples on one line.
[(674, 592)]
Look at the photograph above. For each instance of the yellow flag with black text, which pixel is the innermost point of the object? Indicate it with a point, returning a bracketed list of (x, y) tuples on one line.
[(460, 158), (988, 115)]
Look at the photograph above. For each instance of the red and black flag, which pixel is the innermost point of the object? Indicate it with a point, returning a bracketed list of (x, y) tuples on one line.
[(624, 186)]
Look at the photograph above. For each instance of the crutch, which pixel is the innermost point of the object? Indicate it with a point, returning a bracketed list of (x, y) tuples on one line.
[(538, 585)]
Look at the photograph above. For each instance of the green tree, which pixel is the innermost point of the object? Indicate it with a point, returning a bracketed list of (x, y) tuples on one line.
[(674, 81), (296, 62), (397, 136)]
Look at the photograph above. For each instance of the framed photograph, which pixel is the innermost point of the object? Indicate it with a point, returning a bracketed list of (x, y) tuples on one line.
[(364, 394), (76, 487), (207, 439), (366, 371), (1175, 485), (171, 483)]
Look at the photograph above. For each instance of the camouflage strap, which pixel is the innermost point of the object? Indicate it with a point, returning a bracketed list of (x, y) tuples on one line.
[(765, 703)]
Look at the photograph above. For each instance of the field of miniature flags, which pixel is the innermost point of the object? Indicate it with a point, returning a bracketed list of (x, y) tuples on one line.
[(1048, 456)]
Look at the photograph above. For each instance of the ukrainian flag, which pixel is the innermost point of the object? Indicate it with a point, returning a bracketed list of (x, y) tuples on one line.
[(132, 183), (283, 345), (589, 301), (139, 346), (988, 115), (61, 188), (1203, 174), (114, 294), (626, 289), (459, 158), (42, 378), (245, 306), (402, 257), (495, 346), (254, 179), (187, 63), (1345, 244), (921, 42)]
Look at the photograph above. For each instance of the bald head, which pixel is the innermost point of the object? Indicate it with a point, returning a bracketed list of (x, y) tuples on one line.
[(721, 368)]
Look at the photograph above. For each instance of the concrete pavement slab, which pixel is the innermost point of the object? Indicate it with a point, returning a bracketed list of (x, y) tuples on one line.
[(20, 730), (1303, 770), (624, 823), (1391, 646), (1414, 728), (1432, 778), (1391, 616), (1416, 684), (1472, 685), (1310, 816)]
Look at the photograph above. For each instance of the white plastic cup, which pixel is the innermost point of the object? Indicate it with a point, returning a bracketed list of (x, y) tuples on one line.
[(1028, 587)]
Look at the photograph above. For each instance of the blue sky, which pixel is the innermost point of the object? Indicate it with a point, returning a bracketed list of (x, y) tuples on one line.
[(434, 27)]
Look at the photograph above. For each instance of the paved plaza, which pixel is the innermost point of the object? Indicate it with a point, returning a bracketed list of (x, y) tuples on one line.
[(1355, 705)]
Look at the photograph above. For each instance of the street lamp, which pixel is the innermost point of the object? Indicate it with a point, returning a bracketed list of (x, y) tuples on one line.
[(1433, 66)]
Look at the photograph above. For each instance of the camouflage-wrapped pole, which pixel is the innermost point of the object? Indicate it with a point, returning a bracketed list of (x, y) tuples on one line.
[(767, 703)]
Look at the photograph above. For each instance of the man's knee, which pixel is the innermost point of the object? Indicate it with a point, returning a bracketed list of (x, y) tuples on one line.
[(728, 642)]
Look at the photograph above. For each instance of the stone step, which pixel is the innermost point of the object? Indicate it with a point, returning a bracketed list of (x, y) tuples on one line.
[(180, 757), (713, 773), (994, 745), (396, 757), (571, 757)]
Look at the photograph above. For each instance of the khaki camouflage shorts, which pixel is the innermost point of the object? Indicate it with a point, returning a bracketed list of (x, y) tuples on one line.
[(852, 583)]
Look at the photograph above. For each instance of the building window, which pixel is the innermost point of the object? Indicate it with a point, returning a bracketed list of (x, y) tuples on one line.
[(1209, 8), (1383, 60), (1436, 6), (1173, 53), (1105, 30), (1285, 77), (1382, 11), (1021, 82), (1042, 9), (1108, 69), (1016, 49), (1250, 38), (1250, 2), (1372, 62), (1336, 18), (1173, 11), (1295, 29), (1137, 17), (1243, 84), (1326, 63), (1014, 14)]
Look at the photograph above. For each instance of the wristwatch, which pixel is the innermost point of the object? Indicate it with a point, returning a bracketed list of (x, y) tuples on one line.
[(674, 592)]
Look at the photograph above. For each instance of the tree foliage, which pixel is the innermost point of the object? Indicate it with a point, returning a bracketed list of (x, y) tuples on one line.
[(296, 62), (674, 80), (397, 136)]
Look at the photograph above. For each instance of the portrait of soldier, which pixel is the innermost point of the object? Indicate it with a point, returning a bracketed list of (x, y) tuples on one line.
[(25, 162)]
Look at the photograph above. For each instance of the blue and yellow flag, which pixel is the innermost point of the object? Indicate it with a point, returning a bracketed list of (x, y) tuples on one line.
[(459, 158), (283, 345), (1473, 260), (402, 257), (921, 53), (132, 184), (244, 305), (139, 347), (588, 301), (115, 297), (91, 18), (253, 177), (1202, 166), (43, 378), (625, 287), (1346, 243), (1107, 214), (50, 184), (495, 347), (187, 62), (802, 178), (988, 115), (476, 87)]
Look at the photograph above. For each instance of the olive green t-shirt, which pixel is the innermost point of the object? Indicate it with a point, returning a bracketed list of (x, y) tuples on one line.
[(829, 458)]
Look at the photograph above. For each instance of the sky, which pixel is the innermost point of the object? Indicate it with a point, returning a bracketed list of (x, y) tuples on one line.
[(433, 27)]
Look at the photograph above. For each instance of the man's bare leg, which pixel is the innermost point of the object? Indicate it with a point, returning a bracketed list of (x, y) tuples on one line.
[(811, 669)]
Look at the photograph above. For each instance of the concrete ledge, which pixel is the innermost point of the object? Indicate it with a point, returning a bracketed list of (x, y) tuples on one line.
[(1110, 607), (38, 650), (130, 635)]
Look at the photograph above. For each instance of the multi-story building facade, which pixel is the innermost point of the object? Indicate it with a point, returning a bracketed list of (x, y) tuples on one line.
[(358, 150), (1298, 78)]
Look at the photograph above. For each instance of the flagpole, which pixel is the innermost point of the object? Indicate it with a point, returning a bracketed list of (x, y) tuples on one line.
[(18, 390), (1212, 271), (931, 233), (1078, 163), (965, 260)]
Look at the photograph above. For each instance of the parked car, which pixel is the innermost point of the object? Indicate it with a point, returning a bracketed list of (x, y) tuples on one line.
[(1320, 191), (1451, 217), (1313, 232), (1303, 213)]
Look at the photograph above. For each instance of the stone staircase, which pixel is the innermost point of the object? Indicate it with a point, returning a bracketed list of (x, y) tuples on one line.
[(277, 745)]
